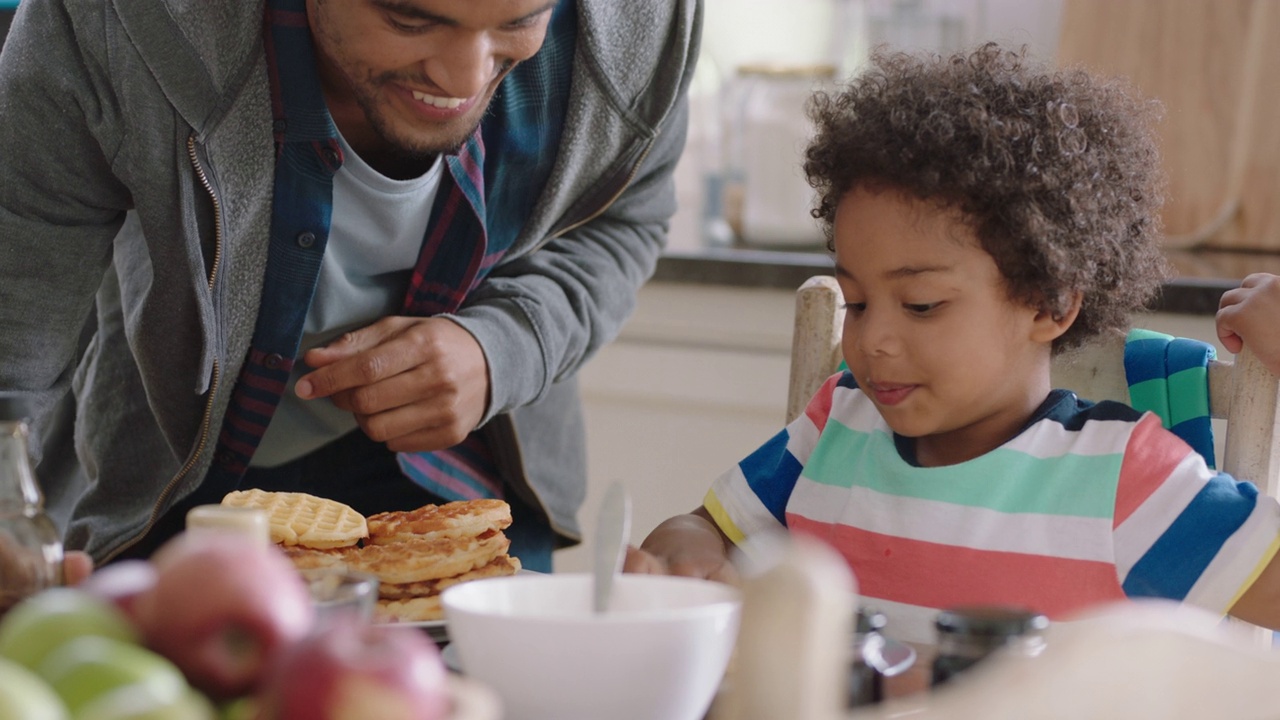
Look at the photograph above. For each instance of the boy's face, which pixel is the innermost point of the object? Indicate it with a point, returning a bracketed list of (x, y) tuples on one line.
[(929, 331), (417, 75)]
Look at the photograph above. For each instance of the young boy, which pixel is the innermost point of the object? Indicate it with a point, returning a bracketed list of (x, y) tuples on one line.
[(985, 215), (1249, 314)]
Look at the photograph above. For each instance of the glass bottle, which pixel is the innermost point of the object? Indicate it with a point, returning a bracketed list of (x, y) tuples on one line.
[(966, 635), (30, 545), (866, 684)]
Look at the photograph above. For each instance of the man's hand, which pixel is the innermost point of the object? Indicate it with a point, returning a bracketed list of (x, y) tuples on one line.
[(76, 566), (417, 384), (1249, 315)]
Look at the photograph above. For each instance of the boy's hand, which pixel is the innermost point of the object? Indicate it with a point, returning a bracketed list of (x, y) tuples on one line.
[(1249, 315), (687, 545)]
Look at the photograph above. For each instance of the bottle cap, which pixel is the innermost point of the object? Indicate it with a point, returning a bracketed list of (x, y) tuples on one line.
[(249, 522), (990, 621)]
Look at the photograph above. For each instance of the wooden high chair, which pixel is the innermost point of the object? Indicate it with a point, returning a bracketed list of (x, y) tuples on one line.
[(1242, 392)]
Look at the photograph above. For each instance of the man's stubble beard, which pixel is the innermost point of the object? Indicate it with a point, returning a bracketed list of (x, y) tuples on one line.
[(401, 146)]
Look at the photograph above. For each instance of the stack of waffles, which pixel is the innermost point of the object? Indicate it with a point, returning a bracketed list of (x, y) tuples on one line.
[(415, 554)]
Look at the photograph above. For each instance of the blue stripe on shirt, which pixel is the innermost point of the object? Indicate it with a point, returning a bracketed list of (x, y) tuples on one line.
[(771, 472), (1180, 556)]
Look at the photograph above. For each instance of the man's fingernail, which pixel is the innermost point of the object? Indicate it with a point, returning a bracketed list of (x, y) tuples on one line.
[(303, 389)]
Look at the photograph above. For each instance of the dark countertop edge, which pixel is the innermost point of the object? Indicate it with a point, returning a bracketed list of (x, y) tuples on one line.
[(778, 270)]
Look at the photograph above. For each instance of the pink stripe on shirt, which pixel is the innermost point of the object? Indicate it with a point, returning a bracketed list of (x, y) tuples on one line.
[(932, 575), (1150, 457)]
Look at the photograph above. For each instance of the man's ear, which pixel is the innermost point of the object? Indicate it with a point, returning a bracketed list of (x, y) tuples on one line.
[(1048, 326)]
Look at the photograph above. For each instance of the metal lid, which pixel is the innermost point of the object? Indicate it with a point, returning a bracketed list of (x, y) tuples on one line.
[(990, 621), (818, 70), (869, 620), (250, 522)]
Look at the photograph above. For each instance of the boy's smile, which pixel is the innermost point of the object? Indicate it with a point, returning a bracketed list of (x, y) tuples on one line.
[(930, 332)]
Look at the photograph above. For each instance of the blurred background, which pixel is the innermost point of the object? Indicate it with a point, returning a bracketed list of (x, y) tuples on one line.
[(1213, 64)]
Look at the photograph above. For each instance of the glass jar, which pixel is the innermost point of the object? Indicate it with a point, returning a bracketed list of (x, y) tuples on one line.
[(966, 635), (766, 198), (30, 545), (875, 658)]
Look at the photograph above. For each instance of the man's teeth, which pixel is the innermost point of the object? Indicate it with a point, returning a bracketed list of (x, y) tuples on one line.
[(440, 102)]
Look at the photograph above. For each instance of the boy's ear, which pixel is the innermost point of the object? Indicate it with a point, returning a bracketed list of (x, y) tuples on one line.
[(1047, 327)]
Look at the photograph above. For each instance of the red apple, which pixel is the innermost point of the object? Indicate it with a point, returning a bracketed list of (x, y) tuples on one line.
[(355, 671), (222, 608), (122, 583)]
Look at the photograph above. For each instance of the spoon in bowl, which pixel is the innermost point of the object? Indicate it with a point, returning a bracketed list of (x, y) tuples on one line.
[(613, 529)]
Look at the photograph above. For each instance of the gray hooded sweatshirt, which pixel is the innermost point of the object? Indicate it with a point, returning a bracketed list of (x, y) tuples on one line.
[(136, 168)]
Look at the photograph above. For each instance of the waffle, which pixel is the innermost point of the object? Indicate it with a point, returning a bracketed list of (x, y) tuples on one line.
[(464, 518), (415, 560), (415, 554), (420, 559), (497, 567), (420, 602), (302, 519), (420, 609)]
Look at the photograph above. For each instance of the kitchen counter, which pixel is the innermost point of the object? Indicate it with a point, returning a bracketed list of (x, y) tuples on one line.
[(1201, 277)]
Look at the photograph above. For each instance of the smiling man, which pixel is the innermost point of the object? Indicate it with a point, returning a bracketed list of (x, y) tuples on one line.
[(356, 248)]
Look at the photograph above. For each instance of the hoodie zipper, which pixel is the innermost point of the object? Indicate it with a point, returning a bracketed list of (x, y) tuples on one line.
[(207, 415), (635, 169)]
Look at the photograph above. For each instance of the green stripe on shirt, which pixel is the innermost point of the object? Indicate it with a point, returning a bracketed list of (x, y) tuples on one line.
[(845, 457)]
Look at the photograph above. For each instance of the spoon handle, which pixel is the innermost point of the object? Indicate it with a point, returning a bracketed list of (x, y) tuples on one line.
[(613, 528)]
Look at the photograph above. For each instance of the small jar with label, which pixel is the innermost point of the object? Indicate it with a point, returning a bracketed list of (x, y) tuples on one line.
[(967, 635), (30, 545), (876, 658)]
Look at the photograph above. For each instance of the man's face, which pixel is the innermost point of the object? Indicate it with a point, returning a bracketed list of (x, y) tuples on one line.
[(415, 76)]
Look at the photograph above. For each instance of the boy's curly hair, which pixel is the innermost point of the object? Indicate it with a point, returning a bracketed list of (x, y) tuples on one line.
[(1058, 172)]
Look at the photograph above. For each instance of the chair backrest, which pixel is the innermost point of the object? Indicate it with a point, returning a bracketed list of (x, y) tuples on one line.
[(1242, 392)]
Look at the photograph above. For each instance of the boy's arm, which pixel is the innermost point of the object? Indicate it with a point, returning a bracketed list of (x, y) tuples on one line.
[(1260, 604), (1248, 315), (690, 545)]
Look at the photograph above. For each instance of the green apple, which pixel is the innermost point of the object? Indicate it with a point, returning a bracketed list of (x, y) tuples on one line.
[(127, 703), (24, 695), (40, 623), (89, 667)]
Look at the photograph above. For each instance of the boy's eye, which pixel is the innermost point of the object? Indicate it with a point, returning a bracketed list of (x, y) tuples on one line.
[(855, 307), (921, 308)]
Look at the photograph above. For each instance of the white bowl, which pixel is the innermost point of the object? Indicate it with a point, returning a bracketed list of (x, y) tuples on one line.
[(658, 654)]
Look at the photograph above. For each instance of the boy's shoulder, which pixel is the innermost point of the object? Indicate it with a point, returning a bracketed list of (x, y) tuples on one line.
[(1074, 412)]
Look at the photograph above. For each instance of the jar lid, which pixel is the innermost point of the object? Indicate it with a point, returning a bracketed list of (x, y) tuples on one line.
[(249, 522), (990, 621), (869, 620), (818, 70)]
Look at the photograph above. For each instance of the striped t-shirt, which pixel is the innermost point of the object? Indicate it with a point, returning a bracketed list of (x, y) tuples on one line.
[(1087, 504)]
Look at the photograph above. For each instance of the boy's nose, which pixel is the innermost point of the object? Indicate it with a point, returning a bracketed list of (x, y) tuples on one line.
[(876, 335)]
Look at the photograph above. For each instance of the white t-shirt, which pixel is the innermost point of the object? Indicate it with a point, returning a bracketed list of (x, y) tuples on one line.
[(374, 240)]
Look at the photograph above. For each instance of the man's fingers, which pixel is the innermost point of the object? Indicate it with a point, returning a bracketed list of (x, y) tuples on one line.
[(388, 358), (76, 566)]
